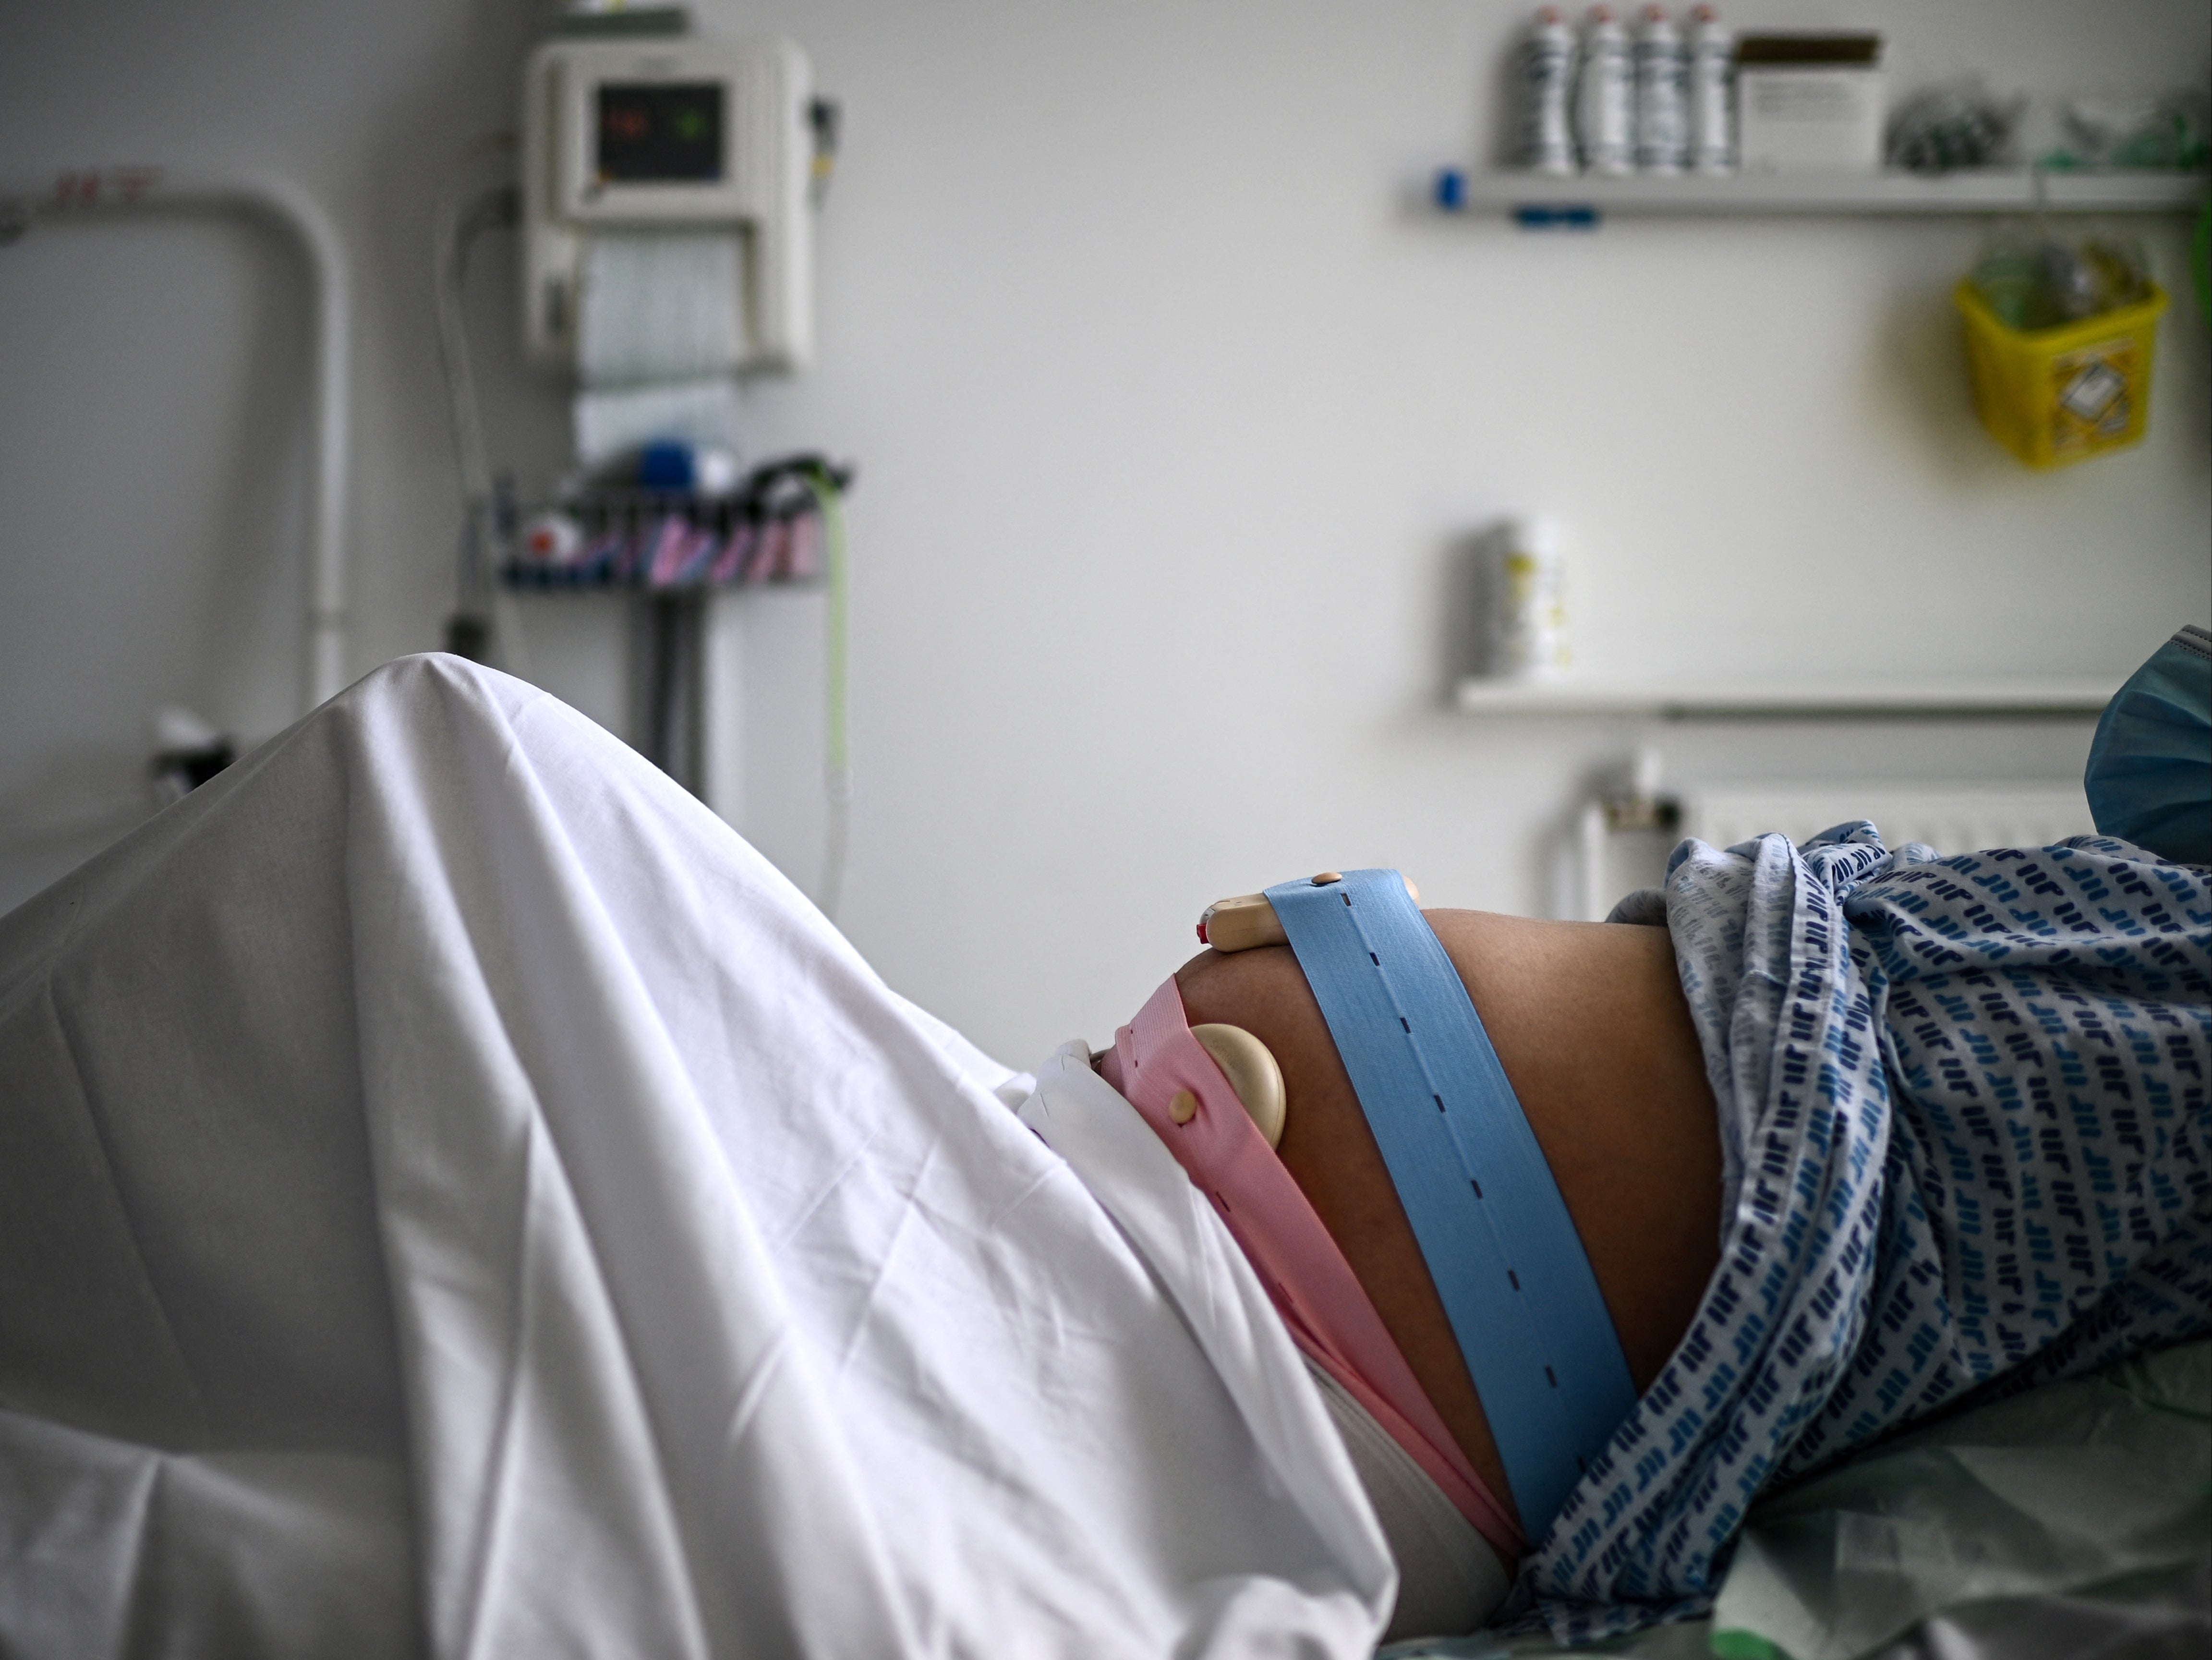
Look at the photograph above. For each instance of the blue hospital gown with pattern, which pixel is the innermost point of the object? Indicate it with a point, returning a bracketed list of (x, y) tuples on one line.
[(1964, 1118)]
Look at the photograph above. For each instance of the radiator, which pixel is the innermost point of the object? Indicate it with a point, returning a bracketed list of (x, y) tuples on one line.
[(1948, 817), (1614, 859)]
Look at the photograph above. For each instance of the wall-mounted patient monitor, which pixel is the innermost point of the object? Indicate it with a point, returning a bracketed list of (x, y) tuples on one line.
[(622, 137)]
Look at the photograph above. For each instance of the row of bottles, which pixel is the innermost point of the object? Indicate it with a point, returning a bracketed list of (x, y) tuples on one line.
[(1608, 103)]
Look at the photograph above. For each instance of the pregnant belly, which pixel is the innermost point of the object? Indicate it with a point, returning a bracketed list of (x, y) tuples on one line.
[(1589, 1024)]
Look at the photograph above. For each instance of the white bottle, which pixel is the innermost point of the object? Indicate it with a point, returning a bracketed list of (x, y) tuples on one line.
[(1547, 62), (1662, 135), (1528, 601), (1605, 96), (1712, 147)]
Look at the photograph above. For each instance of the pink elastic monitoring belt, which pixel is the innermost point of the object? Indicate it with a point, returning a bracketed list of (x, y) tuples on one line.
[(1154, 1059)]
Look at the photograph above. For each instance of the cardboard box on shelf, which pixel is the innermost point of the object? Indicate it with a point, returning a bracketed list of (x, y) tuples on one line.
[(1809, 103)]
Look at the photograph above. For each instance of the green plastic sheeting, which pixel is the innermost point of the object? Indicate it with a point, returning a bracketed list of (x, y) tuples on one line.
[(2065, 1487), (2069, 1485)]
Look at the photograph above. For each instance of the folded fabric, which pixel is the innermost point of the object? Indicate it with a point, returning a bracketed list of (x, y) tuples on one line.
[(442, 1101)]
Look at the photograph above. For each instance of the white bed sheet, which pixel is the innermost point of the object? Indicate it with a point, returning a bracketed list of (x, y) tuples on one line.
[(455, 1195)]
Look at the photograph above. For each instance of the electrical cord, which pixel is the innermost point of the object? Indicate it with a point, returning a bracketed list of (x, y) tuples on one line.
[(461, 219)]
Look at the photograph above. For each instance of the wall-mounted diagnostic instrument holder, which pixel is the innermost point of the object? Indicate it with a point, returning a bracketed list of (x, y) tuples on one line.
[(668, 188)]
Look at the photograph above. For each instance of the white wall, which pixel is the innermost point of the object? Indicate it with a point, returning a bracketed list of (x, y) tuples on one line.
[(1174, 412)]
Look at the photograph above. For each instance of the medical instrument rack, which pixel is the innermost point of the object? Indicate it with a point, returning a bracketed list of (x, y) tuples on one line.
[(768, 530)]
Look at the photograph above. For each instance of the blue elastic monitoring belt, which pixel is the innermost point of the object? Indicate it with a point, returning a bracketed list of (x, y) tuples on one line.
[(1492, 1225)]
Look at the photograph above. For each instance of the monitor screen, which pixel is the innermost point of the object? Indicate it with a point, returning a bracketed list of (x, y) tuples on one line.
[(660, 131)]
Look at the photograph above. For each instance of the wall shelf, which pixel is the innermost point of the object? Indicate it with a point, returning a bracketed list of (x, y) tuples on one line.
[(1538, 200), (2019, 698)]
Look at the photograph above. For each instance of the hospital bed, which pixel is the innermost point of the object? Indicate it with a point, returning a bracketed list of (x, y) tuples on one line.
[(456, 1198)]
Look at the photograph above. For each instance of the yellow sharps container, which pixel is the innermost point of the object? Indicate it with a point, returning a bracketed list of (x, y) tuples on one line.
[(2060, 395)]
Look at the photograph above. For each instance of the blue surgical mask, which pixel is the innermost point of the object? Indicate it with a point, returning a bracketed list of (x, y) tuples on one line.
[(2149, 778)]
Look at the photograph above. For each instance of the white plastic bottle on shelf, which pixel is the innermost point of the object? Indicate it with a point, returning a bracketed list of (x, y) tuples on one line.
[(1547, 62), (1605, 96), (1662, 136), (1528, 600), (1712, 54)]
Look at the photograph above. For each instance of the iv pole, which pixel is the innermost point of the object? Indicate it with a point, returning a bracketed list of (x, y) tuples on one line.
[(82, 190)]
